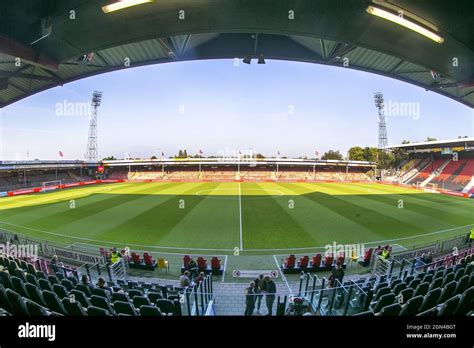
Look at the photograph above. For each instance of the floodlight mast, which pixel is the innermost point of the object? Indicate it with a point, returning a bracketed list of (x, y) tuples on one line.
[(92, 154), (379, 104)]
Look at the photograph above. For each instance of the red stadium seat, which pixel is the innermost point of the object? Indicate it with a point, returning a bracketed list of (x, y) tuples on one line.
[(304, 261), (341, 258), (148, 259), (317, 260), (368, 255), (215, 263), (328, 260), (202, 263), (136, 259), (290, 261), (186, 260)]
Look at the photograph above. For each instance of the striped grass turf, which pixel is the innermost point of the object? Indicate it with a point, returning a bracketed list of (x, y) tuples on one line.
[(179, 217)]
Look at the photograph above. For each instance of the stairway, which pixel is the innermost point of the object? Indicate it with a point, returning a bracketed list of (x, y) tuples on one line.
[(435, 173), (415, 171), (469, 186)]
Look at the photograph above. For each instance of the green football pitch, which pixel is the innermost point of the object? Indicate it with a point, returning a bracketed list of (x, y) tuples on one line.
[(220, 217)]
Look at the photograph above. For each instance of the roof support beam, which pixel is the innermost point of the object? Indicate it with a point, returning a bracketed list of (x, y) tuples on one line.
[(15, 74), (323, 49), (17, 87), (185, 44), (15, 49), (339, 51), (168, 46), (396, 66)]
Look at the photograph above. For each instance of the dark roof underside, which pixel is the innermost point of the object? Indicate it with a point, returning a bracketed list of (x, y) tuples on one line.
[(322, 32)]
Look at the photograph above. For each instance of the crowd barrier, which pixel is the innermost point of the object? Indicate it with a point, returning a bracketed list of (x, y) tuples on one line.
[(56, 187), (444, 192)]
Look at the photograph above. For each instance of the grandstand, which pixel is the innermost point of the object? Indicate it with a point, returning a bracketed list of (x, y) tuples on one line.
[(186, 236), (447, 165)]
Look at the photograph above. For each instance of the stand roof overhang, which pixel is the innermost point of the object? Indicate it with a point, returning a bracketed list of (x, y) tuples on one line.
[(322, 31)]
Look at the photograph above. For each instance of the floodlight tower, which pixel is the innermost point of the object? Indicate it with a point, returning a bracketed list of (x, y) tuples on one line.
[(379, 104), (92, 154)]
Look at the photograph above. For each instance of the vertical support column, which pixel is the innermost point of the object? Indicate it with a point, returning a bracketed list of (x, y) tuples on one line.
[(401, 269), (202, 299), (196, 300), (109, 271), (348, 300), (307, 283), (188, 304), (88, 271), (314, 287), (302, 275)]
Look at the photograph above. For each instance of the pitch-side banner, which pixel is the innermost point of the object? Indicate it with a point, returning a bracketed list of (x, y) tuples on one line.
[(75, 256), (237, 273)]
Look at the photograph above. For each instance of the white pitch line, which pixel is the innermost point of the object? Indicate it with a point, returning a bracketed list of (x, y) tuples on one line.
[(204, 249), (225, 267), (240, 216), (107, 241), (71, 245), (283, 276), (150, 252), (400, 247)]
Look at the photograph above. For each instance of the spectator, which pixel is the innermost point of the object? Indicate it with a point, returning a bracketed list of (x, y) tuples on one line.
[(200, 278), (420, 262), (470, 237), (54, 260), (102, 284), (114, 255), (184, 280), (385, 252), (53, 263), (259, 288), (85, 281), (270, 291), (429, 258), (378, 250), (193, 268), (250, 299), (336, 274)]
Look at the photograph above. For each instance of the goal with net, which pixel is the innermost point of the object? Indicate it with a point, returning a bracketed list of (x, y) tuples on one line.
[(51, 185), (431, 188)]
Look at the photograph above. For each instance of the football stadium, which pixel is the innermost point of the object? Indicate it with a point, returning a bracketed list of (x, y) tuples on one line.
[(384, 229)]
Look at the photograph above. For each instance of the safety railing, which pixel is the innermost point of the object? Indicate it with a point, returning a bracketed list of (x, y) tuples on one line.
[(198, 297)]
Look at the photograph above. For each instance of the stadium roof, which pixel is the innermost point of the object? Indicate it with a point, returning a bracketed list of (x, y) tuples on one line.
[(461, 142), (323, 32)]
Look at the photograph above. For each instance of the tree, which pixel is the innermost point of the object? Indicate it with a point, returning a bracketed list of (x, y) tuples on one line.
[(153, 157), (399, 155), (404, 142), (332, 155), (430, 139), (182, 154), (356, 153), (110, 158), (370, 154)]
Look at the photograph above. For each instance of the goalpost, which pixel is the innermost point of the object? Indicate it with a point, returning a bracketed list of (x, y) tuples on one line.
[(431, 187), (51, 185)]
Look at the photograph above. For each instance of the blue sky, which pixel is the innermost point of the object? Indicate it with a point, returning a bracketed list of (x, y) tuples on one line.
[(215, 106)]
